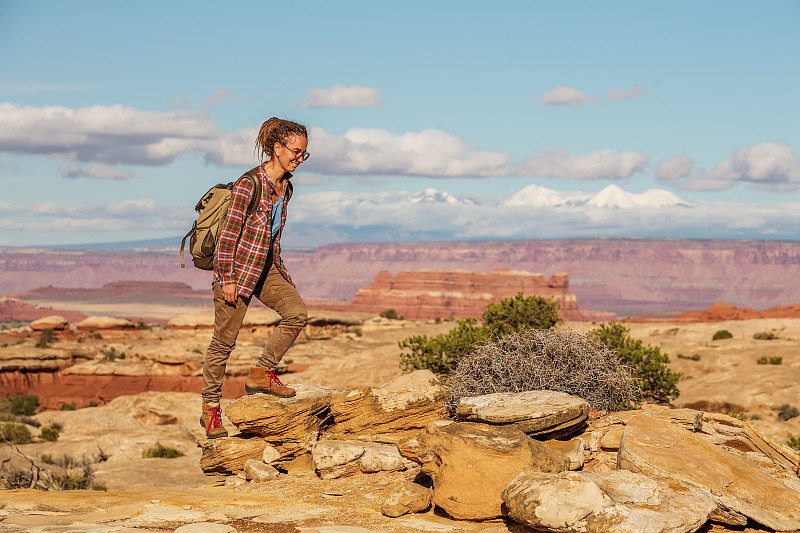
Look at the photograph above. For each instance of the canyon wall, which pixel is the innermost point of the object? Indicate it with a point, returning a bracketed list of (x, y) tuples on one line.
[(625, 275), (459, 293)]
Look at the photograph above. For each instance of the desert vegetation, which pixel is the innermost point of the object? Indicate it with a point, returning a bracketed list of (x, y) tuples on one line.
[(164, 452), (540, 359), (509, 351), (722, 334), (764, 336)]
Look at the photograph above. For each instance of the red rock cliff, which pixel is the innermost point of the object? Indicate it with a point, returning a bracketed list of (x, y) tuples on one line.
[(430, 294)]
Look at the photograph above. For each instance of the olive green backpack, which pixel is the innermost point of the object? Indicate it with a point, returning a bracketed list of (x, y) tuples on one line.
[(211, 211)]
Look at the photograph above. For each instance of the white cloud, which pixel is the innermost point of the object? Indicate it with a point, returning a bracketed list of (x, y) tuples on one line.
[(675, 167), (601, 164), (341, 96), (626, 94), (564, 95), (97, 171), (220, 95), (772, 165), (104, 134), (323, 217), (769, 165), (432, 153)]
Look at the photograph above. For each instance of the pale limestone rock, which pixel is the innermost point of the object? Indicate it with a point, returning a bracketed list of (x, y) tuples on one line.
[(655, 447), (104, 322), (336, 458), (271, 455), (228, 455), (258, 471), (405, 498), (461, 457), (56, 322), (408, 402), (283, 419), (572, 449), (618, 502), (537, 413), (205, 319)]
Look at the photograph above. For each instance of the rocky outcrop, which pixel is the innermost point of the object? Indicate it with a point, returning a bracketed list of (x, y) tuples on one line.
[(339, 458), (54, 322), (459, 293), (407, 403), (104, 322), (740, 490), (619, 502), (471, 464), (13, 310)]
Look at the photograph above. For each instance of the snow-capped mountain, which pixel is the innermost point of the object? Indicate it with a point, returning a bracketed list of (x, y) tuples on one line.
[(611, 197), (432, 196), (542, 197)]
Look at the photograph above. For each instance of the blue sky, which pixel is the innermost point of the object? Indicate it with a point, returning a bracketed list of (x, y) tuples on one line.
[(115, 117)]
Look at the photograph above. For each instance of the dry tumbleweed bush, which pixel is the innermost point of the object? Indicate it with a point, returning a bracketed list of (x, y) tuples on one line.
[(545, 359)]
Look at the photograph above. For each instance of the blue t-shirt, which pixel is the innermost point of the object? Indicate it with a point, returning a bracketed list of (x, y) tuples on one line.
[(277, 207)]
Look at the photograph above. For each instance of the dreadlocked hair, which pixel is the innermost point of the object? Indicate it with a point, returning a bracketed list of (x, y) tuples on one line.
[(276, 130)]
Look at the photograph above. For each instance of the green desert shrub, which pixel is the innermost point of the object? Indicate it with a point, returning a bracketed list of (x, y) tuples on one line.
[(775, 360), (520, 313), (5, 416), (15, 433), (764, 336), (24, 405), (68, 406), (762, 361), (722, 334), (389, 313), (46, 338), (80, 478), (695, 357), (539, 359), (794, 442), (649, 365), (787, 412), (49, 434), (159, 450), (738, 415), (441, 354)]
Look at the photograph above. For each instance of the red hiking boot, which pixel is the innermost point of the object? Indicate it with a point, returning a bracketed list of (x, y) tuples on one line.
[(211, 420), (263, 380)]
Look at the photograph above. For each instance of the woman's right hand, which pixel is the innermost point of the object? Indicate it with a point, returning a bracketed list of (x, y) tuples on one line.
[(229, 293)]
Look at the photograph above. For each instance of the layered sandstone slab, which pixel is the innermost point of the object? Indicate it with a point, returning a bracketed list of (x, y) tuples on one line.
[(430, 294), (655, 447), (537, 413), (406, 403)]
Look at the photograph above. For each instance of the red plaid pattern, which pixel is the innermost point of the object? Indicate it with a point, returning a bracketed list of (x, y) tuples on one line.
[(244, 242)]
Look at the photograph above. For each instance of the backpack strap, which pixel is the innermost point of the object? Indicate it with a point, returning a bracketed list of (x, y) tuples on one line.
[(255, 200)]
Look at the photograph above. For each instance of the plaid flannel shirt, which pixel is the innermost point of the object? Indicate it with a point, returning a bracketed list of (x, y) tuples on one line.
[(244, 243)]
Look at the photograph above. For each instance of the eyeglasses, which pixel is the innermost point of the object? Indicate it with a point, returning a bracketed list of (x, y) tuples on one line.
[(298, 153)]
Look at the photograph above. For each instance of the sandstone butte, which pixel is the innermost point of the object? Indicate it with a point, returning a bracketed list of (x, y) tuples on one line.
[(720, 312), (429, 294)]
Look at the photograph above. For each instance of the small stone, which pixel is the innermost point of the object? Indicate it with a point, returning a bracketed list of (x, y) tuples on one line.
[(406, 498), (258, 471), (271, 455)]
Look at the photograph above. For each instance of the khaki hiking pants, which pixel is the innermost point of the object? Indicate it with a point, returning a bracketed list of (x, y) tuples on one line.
[(276, 293)]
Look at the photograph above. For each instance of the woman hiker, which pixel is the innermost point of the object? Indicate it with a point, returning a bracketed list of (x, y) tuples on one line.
[(247, 263)]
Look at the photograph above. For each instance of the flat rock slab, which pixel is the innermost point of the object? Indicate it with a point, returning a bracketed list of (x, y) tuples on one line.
[(533, 412), (407, 402), (656, 447), (283, 419), (613, 502), (471, 464)]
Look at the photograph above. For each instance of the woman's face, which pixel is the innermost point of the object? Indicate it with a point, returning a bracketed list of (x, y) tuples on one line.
[(290, 153)]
